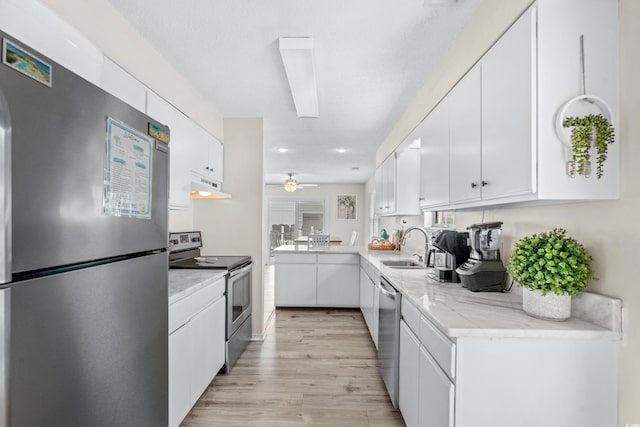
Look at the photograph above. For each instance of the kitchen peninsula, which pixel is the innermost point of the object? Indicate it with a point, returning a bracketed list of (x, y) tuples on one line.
[(485, 362)]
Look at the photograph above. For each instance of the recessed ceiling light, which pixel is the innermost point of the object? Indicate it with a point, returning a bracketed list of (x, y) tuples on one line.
[(341, 150), (283, 150)]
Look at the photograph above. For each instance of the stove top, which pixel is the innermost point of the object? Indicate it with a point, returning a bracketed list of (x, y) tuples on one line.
[(184, 252), (211, 262)]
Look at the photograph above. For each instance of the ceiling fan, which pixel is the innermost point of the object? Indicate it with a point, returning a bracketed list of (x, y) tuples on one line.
[(291, 185)]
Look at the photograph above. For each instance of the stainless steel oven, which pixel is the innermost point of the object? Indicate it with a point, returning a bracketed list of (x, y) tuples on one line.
[(185, 253), (238, 312)]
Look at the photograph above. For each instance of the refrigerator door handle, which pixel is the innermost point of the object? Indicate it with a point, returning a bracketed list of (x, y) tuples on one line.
[(5, 335), (5, 191)]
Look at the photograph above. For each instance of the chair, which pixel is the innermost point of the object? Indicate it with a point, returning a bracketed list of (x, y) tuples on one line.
[(354, 238), (318, 240)]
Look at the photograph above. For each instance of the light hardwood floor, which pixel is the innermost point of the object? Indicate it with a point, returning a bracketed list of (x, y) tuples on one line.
[(316, 367)]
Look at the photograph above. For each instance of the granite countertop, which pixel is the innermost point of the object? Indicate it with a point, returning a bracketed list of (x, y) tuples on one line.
[(458, 312), (185, 282)]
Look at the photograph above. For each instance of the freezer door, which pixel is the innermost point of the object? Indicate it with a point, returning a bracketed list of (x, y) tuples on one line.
[(58, 160), (89, 347)]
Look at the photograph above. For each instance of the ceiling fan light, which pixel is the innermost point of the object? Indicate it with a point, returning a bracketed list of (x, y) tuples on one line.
[(290, 185)]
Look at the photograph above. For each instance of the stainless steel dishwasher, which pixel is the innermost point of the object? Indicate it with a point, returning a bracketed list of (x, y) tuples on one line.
[(389, 337)]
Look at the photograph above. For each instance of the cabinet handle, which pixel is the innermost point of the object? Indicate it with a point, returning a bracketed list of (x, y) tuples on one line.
[(474, 185), (421, 198), (484, 183), (207, 167), (387, 207)]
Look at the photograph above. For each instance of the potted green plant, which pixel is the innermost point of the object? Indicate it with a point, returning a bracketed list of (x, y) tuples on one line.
[(592, 129), (551, 267)]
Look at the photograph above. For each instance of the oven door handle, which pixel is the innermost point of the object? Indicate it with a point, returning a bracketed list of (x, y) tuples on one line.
[(241, 270)]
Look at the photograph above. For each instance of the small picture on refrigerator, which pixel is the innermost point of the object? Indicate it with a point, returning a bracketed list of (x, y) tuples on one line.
[(26, 63), (346, 207)]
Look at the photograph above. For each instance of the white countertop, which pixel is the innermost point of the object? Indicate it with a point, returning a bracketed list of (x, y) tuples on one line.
[(458, 312), (185, 282)]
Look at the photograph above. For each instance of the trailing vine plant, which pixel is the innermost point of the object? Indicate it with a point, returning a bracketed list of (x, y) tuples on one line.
[(582, 132)]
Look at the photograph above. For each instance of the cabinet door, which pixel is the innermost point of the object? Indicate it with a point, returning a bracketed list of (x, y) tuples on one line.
[(508, 116), (436, 393), (123, 85), (216, 160), (180, 146), (409, 380), (200, 160), (208, 336), (364, 287), (180, 361), (464, 139), (376, 309), (434, 157), (407, 185), (380, 190), (295, 285), (338, 285), (389, 182)]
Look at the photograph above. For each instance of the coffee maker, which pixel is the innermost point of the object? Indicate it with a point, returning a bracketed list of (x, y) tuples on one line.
[(484, 271), (449, 250)]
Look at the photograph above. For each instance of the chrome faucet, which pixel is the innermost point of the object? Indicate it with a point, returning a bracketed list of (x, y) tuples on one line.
[(426, 238)]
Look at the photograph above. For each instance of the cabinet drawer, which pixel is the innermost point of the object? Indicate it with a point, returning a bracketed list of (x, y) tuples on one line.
[(439, 346), (338, 259), (295, 258), (205, 296), (411, 315), (179, 313)]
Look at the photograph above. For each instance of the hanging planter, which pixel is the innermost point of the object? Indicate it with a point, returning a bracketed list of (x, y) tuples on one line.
[(586, 131), (592, 128)]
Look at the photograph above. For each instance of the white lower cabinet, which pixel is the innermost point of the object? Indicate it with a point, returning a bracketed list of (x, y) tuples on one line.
[(316, 280), (408, 396), (209, 346), (295, 284), (369, 297), (196, 347), (501, 381), (180, 352), (436, 394), (338, 280)]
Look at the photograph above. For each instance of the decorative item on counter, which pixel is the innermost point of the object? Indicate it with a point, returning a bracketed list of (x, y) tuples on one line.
[(384, 234), (551, 267)]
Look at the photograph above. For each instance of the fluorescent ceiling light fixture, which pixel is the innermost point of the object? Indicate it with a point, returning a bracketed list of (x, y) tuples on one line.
[(297, 56), (341, 150), (283, 150)]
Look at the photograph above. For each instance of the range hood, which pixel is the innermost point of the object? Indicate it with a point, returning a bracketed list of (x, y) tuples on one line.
[(205, 189)]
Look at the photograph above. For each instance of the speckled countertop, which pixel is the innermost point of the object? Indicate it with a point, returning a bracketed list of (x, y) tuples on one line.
[(185, 282), (458, 312)]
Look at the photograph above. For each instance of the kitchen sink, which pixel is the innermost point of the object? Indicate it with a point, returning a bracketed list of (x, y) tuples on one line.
[(402, 263)]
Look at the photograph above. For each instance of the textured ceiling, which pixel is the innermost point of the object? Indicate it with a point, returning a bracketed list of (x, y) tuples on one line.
[(371, 57)]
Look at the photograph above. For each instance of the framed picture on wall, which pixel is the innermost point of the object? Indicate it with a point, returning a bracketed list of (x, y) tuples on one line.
[(346, 207)]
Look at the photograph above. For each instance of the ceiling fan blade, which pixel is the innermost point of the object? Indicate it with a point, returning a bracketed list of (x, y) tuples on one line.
[(307, 185)]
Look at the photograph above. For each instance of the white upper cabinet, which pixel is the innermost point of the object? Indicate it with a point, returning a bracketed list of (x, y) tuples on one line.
[(123, 85), (209, 155), (493, 139), (465, 177), (181, 149), (508, 119), (397, 181), (434, 157)]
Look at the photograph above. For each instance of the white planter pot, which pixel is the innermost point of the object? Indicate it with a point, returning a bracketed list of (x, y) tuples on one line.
[(548, 307)]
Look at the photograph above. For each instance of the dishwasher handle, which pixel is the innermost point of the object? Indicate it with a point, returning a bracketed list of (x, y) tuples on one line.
[(384, 285)]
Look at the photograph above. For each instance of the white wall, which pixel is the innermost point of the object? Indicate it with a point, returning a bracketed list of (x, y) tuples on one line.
[(609, 230), (234, 226), (329, 193)]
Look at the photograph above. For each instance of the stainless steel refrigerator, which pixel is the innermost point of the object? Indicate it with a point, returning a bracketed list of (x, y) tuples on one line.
[(83, 236)]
